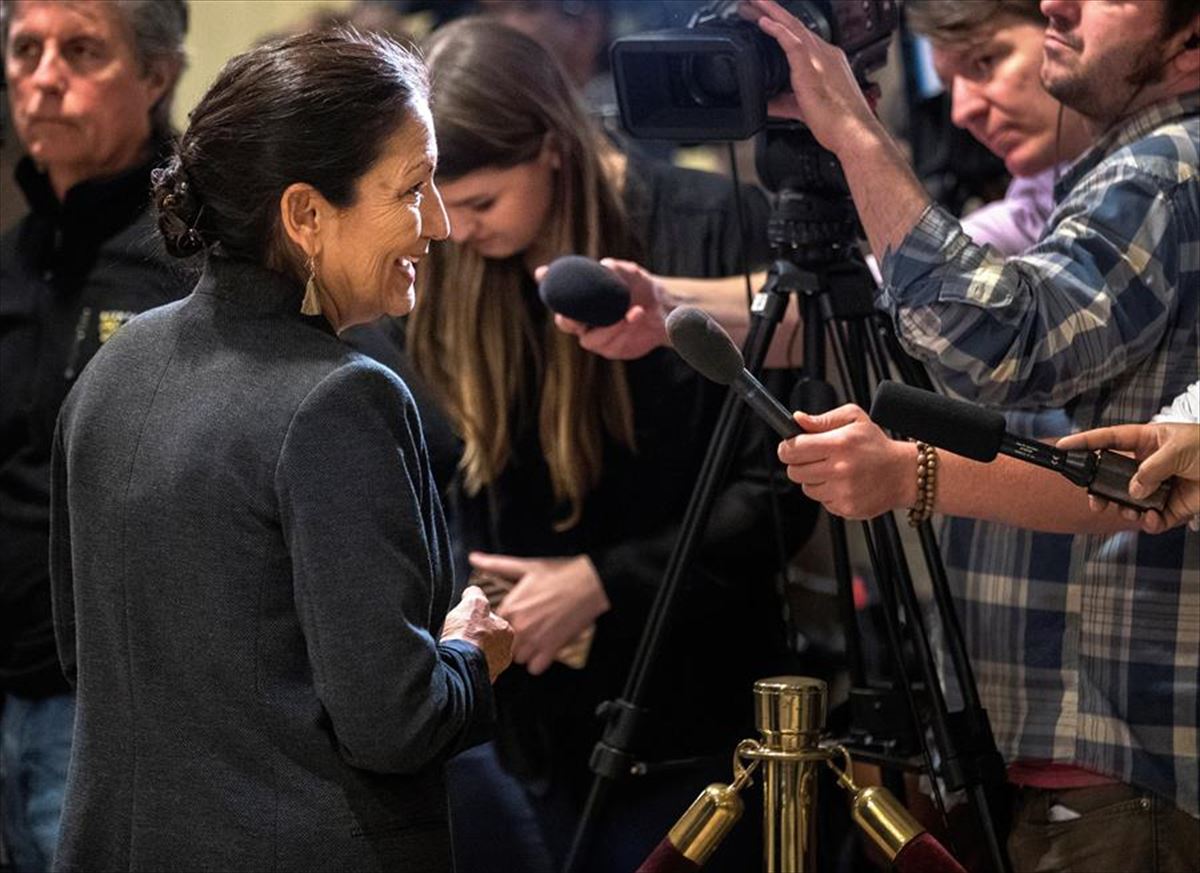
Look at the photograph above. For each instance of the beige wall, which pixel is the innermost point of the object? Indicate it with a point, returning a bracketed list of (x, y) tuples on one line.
[(219, 29)]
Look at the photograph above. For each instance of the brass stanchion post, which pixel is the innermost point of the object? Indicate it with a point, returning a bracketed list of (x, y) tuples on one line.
[(790, 714)]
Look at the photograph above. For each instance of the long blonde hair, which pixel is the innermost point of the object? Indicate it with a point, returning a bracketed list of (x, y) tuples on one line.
[(497, 97)]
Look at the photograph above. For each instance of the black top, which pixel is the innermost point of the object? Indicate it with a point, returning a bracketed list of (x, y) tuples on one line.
[(728, 629), (71, 274), (250, 571)]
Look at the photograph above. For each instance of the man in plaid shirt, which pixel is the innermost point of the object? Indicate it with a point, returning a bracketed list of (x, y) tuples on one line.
[(1088, 658)]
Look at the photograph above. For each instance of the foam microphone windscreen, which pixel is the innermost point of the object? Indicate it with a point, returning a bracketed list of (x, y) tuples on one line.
[(954, 425), (583, 290), (703, 343)]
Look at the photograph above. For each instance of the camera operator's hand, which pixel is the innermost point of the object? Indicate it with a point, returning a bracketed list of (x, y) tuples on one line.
[(643, 328), (825, 94)]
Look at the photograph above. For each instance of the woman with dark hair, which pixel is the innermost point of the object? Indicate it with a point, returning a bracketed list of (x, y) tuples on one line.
[(576, 470), (249, 561)]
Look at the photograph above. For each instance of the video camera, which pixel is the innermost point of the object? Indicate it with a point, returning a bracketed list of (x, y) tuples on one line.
[(711, 79)]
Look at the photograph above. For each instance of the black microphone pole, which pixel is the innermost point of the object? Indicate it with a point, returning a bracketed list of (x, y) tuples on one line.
[(615, 754)]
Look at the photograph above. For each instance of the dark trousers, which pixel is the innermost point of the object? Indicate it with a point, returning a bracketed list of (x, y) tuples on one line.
[(1105, 829), (492, 824)]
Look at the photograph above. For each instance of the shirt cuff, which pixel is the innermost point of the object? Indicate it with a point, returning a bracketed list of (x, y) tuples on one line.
[(469, 662), (934, 242)]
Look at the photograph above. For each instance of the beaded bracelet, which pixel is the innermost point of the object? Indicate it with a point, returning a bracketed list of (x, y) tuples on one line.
[(927, 464)]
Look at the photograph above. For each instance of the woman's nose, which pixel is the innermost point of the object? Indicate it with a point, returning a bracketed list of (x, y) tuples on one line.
[(436, 222)]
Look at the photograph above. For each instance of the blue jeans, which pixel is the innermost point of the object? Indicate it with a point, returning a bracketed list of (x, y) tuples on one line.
[(35, 748)]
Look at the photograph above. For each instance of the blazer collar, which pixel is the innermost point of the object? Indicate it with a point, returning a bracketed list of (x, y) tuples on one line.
[(255, 288)]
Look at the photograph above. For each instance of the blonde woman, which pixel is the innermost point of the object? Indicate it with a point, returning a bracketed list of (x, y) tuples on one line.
[(576, 470)]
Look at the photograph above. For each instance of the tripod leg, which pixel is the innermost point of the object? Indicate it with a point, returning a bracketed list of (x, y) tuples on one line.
[(969, 757), (820, 397), (981, 758)]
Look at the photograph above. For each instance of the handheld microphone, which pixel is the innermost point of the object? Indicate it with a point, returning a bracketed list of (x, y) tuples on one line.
[(584, 291), (705, 345), (978, 433)]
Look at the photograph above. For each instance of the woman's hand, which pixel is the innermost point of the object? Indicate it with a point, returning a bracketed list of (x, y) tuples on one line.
[(552, 602), (473, 621), (848, 464), (641, 331), (1165, 449)]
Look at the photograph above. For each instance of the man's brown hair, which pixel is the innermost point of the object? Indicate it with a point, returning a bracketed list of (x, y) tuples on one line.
[(952, 21)]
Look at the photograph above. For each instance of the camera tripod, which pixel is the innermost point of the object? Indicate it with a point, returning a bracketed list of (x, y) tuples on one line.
[(812, 232)]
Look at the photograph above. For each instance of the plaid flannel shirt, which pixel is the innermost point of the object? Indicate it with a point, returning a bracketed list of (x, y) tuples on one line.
[(1086, 649)]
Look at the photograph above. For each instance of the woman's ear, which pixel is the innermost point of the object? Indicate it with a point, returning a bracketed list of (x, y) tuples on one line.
[(300, 210), (551, 151)]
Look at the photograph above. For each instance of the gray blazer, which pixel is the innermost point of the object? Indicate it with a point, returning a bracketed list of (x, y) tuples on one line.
[(250, 568)]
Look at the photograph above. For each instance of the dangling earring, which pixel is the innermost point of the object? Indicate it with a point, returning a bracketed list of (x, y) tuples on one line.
[(312, 303)]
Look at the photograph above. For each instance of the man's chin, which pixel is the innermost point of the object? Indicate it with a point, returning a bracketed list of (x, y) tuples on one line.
[(54, 151), (1058, 66), (1032, 154), (1058, 81)]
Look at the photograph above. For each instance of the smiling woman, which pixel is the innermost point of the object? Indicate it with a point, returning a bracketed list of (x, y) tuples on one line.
[(352, 236), (371, 247), (250, 564)]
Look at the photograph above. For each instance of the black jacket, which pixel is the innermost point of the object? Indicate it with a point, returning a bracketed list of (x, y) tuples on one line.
[(71, 274), (250, 570)]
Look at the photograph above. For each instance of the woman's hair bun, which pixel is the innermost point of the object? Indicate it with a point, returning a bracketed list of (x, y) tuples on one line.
[(179, 209)]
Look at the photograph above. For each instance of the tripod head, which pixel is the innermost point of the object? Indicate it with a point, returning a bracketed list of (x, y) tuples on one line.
[(814, 221)]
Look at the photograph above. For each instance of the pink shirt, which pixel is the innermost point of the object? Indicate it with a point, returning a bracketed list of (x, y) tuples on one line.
[(1015, 223)]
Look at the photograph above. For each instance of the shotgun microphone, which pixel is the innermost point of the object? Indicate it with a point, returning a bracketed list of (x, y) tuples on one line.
[(705, 346), (978, 433)]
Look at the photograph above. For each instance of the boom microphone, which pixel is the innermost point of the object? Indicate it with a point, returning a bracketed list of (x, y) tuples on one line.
[(584, 291), (978, 433), (703, 343)]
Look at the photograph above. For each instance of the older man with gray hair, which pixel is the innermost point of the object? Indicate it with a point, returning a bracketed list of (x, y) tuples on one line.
[(90, 86)]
